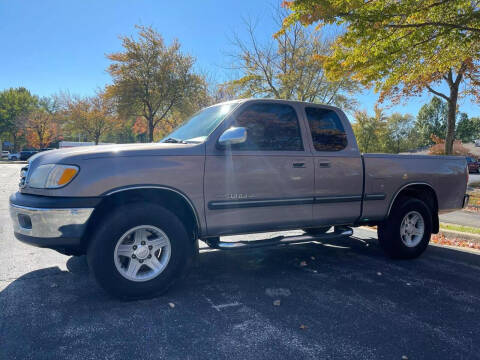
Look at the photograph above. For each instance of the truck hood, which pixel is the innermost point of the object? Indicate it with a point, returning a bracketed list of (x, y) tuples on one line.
[(70, 155)]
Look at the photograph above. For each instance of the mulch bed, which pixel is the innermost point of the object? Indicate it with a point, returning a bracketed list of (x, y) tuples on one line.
[(441, 239)]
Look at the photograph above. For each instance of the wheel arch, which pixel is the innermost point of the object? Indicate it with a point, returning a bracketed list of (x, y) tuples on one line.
[(422, 191), (172, 199)]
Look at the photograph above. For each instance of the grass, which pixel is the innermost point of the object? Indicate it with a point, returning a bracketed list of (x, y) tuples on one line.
[(474, 198), (460, 228)]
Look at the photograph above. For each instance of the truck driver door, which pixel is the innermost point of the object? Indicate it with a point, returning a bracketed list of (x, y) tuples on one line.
[(264, 182)]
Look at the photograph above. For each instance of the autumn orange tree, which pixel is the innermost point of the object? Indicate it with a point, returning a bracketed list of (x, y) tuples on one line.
[(439, 147), (42, 123), (92, 116), (152, 79), (41, 128), (402, 47)]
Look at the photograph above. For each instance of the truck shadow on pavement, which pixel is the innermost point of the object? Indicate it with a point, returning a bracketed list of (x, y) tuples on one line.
[(341, 300)]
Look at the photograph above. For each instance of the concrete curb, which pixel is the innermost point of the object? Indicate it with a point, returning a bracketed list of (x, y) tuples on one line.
[(460, 235), (10, 162), (449, 234)]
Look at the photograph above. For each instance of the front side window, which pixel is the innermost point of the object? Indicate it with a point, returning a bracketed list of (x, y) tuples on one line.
[(327, 130), (270, 127)]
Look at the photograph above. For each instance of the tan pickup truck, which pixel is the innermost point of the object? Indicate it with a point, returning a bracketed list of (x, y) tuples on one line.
[(238, 167)]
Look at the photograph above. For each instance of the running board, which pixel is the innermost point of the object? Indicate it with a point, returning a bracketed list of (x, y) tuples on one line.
[(340, 231)]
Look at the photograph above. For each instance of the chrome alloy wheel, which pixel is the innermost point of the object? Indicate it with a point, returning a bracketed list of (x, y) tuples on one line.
[(142, 253), (412, 229)]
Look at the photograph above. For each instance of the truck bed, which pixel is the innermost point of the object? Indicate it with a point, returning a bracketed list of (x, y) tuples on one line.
[(386, 175)]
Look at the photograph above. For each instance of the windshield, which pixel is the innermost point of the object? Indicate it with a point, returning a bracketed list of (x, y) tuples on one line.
[(200, 125)]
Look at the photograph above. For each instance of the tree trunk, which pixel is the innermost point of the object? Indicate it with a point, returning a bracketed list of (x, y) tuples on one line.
[(151, 128), (453, 84), (40, 140), (14, 135), (452, 112)]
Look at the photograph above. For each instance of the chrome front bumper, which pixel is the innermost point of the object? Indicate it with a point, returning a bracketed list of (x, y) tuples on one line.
[(49, 223)]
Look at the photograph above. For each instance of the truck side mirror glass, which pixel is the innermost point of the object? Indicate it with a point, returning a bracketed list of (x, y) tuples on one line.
[(233, 135)]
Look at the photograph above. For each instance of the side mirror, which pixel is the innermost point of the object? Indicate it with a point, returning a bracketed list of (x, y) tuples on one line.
[(233, 135)]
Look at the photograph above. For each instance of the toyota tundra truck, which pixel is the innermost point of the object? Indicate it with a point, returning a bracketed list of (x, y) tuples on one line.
[(245, 166)]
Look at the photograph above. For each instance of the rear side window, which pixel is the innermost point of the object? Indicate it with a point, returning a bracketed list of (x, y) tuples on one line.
[(270, 127), (327, 130)]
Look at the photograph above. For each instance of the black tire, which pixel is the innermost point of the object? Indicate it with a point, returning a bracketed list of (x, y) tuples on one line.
[(389, 231), (317, 231), (100, 252)]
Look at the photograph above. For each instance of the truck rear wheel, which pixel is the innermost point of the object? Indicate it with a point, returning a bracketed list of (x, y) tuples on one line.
[(406, 233), (139, 251)]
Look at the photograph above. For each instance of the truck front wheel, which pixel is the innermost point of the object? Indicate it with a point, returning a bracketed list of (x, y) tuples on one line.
[(139, 251), (406, 233)]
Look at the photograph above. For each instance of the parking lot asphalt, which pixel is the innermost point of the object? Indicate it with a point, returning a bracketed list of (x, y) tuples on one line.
[(337, 300)]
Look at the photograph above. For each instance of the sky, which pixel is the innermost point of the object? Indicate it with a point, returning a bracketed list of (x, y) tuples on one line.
[(49, 46)]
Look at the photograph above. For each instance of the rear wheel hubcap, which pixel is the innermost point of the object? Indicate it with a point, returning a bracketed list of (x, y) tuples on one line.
[(412, 229)]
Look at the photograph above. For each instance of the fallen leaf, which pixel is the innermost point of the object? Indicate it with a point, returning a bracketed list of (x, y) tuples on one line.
[(303, 327), (276, 303), (404, 357), (408, 284), (53, 285), (303, 263), (379, 273), (312, 257), (172, 305)]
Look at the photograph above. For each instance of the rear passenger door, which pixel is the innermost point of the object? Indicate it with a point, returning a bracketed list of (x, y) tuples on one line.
[(264, 183), (338, 167)]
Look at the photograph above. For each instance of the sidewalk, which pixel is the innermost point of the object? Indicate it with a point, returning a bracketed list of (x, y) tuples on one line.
[(462, 217)]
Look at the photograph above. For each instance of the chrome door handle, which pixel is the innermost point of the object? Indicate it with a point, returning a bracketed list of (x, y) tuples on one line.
[(299, 165), (324, 164)]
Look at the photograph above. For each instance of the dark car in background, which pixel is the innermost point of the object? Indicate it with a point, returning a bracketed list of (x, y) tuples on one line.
[(473, 165), (26, 154)]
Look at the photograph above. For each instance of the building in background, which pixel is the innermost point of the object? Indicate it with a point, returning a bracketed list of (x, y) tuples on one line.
[(69, 144)]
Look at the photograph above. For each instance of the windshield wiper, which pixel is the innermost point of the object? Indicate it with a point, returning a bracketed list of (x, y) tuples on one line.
[(173, 140)]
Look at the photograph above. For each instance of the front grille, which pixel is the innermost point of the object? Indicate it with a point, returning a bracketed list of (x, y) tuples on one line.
[(23, 176)]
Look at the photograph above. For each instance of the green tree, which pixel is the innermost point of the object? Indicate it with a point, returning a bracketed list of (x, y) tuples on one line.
[(151, 79), (15, 105), (399, 133), (370, 131), (403, 47), (468, 129), (431, 120), (289, 66)]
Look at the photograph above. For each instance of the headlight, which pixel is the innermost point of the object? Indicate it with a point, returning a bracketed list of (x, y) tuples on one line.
[(52, 176)]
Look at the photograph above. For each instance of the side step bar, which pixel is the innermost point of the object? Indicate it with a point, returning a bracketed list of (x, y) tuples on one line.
[(340, 231)]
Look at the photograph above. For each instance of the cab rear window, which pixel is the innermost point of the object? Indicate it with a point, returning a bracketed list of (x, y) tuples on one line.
[(326, 128)]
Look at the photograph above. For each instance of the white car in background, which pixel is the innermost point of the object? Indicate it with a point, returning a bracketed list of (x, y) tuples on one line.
[(14, 156), (477, 142), (5, 154)]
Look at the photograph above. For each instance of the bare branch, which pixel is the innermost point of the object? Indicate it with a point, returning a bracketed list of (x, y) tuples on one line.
[(438, 93)]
